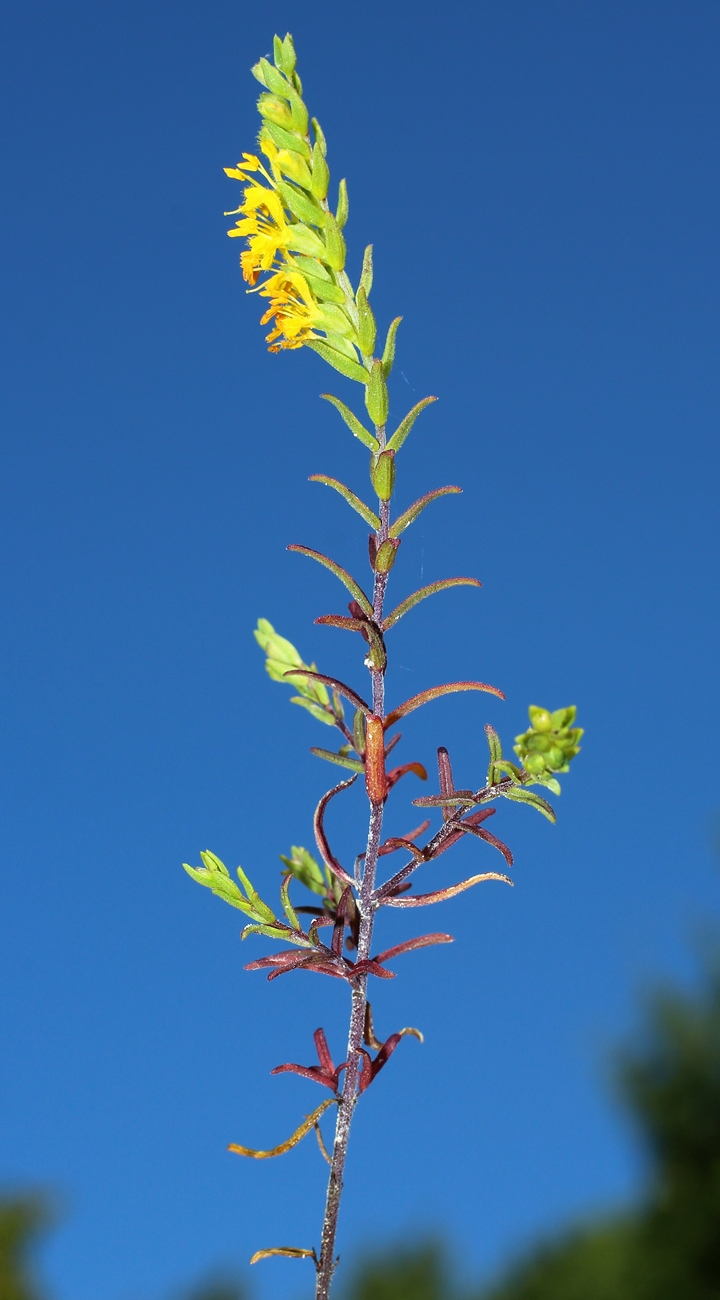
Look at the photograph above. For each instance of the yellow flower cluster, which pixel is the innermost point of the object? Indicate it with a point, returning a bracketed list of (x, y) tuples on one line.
[(291, 233)]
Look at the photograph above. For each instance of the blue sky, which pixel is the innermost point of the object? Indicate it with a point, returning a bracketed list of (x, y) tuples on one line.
[(540, 182)]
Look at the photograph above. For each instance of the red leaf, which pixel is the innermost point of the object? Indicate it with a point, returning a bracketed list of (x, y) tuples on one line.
[(434, 693)]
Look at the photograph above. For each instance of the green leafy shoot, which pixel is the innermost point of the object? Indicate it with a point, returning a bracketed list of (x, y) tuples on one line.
[(304, 868), (215, 875), (282, 655)]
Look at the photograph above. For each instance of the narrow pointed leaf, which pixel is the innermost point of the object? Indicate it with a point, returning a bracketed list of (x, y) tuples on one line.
[(264, 912), (406, 425), (341, 760), (351, 369), (458, 799), (422, 594), (411, 514), (353, 423), (343, 621), (440, 895), (352, 586), (287, 906), (364, 511), (417, 701), (291, 1252), (292, 1141)]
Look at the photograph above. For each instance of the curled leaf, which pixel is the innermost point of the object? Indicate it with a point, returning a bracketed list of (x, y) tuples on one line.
[(292, 1141)]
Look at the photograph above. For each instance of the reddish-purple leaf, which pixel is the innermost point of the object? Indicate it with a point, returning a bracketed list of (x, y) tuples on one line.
[(370, 1069), (410, 515), (321, 838), (457, 799), (370, 967), (325, 1074), (417, 701)]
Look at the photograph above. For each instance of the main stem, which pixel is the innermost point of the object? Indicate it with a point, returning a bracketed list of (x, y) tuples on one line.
[(366, 907)]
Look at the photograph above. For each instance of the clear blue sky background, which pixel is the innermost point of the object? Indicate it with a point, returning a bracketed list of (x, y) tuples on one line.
[(540, 182)]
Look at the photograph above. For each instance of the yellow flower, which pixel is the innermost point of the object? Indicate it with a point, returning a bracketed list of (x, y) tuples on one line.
[(294, 308), (263, 222)]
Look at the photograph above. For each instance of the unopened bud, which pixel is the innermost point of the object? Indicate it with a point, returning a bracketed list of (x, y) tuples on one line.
[(375, 776), (540, 719)]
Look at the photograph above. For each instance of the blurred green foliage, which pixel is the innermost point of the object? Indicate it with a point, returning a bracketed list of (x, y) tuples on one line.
[(21, 1219)]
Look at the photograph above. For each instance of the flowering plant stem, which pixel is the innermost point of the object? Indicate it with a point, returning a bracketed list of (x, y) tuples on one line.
[(296, 242)]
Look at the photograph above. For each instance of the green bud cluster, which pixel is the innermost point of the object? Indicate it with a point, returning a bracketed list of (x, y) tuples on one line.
[(550, 742)]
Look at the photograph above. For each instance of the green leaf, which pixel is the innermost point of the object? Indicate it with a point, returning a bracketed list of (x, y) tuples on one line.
[(352, 586), (220, 885), (276, 647), (367, 329), (366, 278), (522, 795), (507, 768), (286, 139), (342, 211), (287, 906), (422, 594), (319, 135), (352, 763), (272, 932), (261, 909), (388, 355), (316, 710), (352, 422), (274, 79), (411, 514), (406, 425), (364, 511), (301, 205), (351, 369), (305, 869)]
